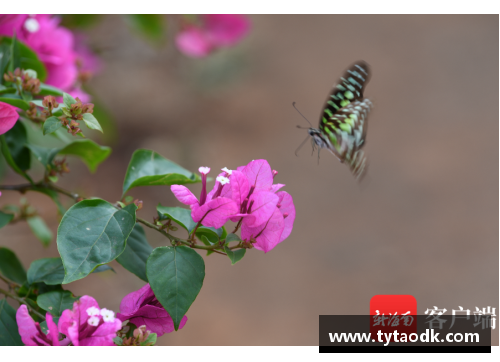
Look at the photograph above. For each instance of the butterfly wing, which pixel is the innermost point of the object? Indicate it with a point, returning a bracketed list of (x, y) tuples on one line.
[(349, 88), (346, 131)]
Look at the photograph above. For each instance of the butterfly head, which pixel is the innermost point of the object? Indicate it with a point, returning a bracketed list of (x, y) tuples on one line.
[(317, 137)]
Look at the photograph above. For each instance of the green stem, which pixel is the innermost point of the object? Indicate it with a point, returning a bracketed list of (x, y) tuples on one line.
[(20, 300), (9, 282)]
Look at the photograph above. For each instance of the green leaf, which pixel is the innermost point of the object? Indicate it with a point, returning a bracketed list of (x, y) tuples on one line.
[(118, 341), (236, 255), (15, 60), (90, 152), (5, 90), (48, 90), (151, 26), (51, 124), (176, 276), (47, 270), (43, 154), (28, 59), (212, 234), (11, 267), (15, 140), (9, 334), (92, 233), (232, 237), (10, 161), (5, 219), (57, 301), (4, 59), (136, 253), (148, 168), (68, 100), (16, 102), (181, 216), (150, 341), (91, 122), (40, 229), (51, 271)]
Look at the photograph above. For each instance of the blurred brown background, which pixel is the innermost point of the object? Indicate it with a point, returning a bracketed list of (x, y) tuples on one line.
[(424, 222)]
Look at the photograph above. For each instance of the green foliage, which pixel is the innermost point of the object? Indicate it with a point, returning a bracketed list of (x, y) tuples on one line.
[(48, 90), (5, 219), (15, 101), (9, 335), (151, 26), (57, 301), (88, 151), (11, 267), (40, 229), (26, 58), (150, 341), (15, 152), (5, 90), (51, 125), (148, 168), (181, 216), (236, 255), (176, 276), (68, 100), (92, 233), (136, 253), (91, 122), (47, 270)]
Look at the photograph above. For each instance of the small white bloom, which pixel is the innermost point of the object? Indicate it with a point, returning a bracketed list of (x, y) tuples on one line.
[(204, 170), (107, 315), (229, 172), (93, 311), (93, 321), (223, 180), (31, 25)]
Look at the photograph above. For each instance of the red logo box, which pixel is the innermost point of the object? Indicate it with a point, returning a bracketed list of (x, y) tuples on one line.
[(391, 313)]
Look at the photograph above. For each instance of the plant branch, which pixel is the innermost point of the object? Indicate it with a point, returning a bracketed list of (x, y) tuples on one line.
[(20, 300), (8, 282)]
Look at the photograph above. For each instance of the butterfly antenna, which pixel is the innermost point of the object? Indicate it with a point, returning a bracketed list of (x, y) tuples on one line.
[(293, 104), (302, 144), (319, 149)]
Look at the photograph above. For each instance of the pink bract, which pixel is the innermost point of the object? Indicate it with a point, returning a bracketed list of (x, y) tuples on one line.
[(142, 308), (31, 333), (77, 324), (8, 117)]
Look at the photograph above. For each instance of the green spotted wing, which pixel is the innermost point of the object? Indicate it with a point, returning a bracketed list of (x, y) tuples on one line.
[(344, 119)]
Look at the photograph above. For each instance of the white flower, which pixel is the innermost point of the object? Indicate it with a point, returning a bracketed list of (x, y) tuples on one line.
[(93, 321), (107, 315), (229, 172), (204, 170), (223, 180), (93, 311), (31, 25)]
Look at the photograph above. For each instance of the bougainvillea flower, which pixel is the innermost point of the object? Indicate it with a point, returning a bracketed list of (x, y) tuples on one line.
[(31, 333), (212, 210), (142, 308), (8, 117), (54, 45), (87, 325), (215, 31)]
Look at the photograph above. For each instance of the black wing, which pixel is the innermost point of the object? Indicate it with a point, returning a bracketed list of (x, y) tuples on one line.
[(349, 88)]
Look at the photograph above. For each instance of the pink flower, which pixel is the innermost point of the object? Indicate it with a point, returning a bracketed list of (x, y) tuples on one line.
[(8, 117), (211, 210), (54, 45), (266, 215), (215, 31), (142, 308), (32, 334), (87, 325)]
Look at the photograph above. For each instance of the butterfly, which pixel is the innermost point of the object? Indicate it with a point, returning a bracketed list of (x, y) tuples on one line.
[(343, 122)]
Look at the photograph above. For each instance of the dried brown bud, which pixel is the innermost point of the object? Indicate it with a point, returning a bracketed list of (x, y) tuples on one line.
[(138, 203), (50, 102)]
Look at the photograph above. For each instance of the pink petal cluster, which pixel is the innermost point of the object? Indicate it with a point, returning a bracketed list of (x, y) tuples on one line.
[(8, 117), (142, 308), (85, 325), (248, 196), (55, 47), (215, 31)]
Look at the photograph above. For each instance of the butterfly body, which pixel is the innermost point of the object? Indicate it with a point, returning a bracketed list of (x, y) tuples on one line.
[(343, 122)]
